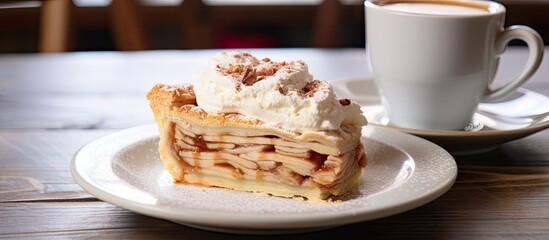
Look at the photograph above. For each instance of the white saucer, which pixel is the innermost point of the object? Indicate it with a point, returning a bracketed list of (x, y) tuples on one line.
[(363, 90), (123, 168)]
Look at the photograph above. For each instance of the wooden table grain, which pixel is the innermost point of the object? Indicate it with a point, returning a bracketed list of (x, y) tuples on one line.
[(51, 105)]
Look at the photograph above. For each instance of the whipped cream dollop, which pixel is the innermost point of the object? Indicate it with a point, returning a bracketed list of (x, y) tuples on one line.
[(281, 94)]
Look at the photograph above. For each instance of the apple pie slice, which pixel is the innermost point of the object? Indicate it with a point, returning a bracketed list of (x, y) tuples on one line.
[(261, 126)]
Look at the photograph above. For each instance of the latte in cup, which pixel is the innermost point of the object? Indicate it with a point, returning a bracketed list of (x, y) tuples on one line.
[(443, 8), (434, 61)]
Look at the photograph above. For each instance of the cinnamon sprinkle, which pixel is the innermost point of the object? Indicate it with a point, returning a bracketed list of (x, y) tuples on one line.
[(310, 89), (248, 75), (345, 102)]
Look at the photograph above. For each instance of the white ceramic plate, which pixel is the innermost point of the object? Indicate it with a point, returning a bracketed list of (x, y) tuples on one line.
[(524, 101), (123, 168)]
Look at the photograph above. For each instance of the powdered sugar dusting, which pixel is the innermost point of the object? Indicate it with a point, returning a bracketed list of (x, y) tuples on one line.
[(218, 199), (175, 88)]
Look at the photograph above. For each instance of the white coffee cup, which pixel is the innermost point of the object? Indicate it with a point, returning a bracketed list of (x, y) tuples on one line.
[(434, 61)]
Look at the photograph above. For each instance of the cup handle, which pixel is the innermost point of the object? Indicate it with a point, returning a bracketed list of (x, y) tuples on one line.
[(536, 48)]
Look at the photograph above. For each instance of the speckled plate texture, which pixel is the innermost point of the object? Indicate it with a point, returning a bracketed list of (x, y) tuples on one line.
[(123, 168)]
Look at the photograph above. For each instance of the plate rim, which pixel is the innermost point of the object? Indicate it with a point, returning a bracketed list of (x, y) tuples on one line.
[(258, 220)]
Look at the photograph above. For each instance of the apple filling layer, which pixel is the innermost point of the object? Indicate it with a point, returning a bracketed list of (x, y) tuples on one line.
[(264, 158)]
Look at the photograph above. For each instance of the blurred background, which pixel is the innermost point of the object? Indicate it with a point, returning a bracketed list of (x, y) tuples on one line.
[(127, 25)]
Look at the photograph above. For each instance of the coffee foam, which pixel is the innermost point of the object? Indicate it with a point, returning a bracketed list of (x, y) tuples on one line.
[(440, 7), (436, 9)]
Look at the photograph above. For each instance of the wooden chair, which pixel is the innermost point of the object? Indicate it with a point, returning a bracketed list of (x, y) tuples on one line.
[(327, 24), (129, 34), (55, 26)]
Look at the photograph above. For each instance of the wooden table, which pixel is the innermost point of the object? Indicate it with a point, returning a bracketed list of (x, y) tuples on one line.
[(51, 105)]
